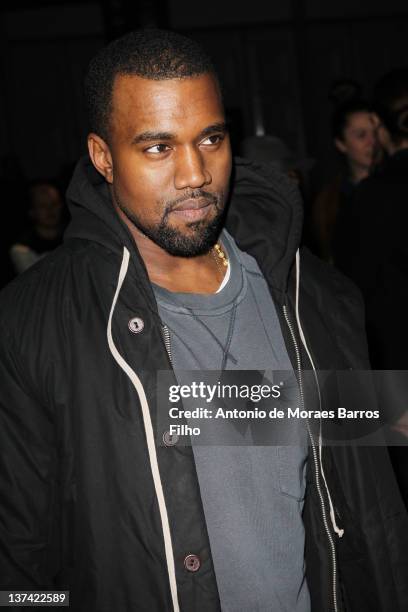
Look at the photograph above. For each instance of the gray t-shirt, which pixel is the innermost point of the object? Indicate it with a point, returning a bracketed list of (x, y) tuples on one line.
[(252, 495)]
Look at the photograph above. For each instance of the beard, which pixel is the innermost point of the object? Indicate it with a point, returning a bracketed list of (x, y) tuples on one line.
[(202, 234)]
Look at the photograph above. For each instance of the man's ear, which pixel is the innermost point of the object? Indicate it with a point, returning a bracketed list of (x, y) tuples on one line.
[(340, 146), (101, 157)]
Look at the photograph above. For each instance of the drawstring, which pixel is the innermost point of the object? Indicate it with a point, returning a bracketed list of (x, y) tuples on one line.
[(168, 546), (340, 532)]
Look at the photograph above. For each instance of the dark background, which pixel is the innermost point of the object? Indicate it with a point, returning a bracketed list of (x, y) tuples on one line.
[(276, 59)]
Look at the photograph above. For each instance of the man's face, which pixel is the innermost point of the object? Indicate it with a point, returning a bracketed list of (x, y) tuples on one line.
[(171, 160)]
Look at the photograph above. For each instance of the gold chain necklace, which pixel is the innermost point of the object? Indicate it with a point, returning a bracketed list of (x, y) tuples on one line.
[(219, 257)]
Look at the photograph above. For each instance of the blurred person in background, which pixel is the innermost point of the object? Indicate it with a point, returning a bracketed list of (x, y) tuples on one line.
[(377, 246), (354, 136), (44, 233)]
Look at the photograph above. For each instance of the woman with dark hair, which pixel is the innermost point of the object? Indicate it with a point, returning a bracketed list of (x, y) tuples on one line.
[(378, 248), (353, 130)]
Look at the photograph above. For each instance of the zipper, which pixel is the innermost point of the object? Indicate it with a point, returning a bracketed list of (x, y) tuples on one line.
[(167, 341), (315, 458)]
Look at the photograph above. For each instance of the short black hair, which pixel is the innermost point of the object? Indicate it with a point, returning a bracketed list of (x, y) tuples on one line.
[(391, 102), (151, 54)]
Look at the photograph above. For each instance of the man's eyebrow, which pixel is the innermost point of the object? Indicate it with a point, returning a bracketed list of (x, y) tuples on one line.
[(151, 136), (215, 127)]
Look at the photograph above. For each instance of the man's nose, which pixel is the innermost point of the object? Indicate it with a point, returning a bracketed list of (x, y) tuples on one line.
[(191, 171)]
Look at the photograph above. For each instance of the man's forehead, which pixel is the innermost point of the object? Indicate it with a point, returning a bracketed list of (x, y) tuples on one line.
[(137, 99)]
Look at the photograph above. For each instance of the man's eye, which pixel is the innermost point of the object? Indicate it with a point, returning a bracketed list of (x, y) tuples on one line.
[(213, 140), (158, 148)]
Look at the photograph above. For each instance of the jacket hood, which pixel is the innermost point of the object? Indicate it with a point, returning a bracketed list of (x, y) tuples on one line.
[(93, 216), (264, 215)]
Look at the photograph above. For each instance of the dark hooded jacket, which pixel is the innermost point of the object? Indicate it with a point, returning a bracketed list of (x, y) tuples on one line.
[(88, 502)]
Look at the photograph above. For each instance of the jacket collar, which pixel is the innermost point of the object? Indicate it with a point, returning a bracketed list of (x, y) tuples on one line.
[(264, 216)]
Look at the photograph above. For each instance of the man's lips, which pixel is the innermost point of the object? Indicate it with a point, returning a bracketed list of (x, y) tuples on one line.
[(193, 204), (193, 209)]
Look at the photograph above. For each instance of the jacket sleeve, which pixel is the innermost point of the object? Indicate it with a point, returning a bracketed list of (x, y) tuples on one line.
[(28, 470)]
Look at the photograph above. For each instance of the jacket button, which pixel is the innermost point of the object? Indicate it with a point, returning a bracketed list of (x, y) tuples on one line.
[(136, 325), (192, 563), (170, 439)]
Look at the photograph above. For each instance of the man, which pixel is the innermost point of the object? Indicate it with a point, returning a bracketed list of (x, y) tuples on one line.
[(92, 501)]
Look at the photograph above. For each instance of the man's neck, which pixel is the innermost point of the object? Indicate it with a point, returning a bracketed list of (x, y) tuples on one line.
[(200, 274), (187, 275)]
